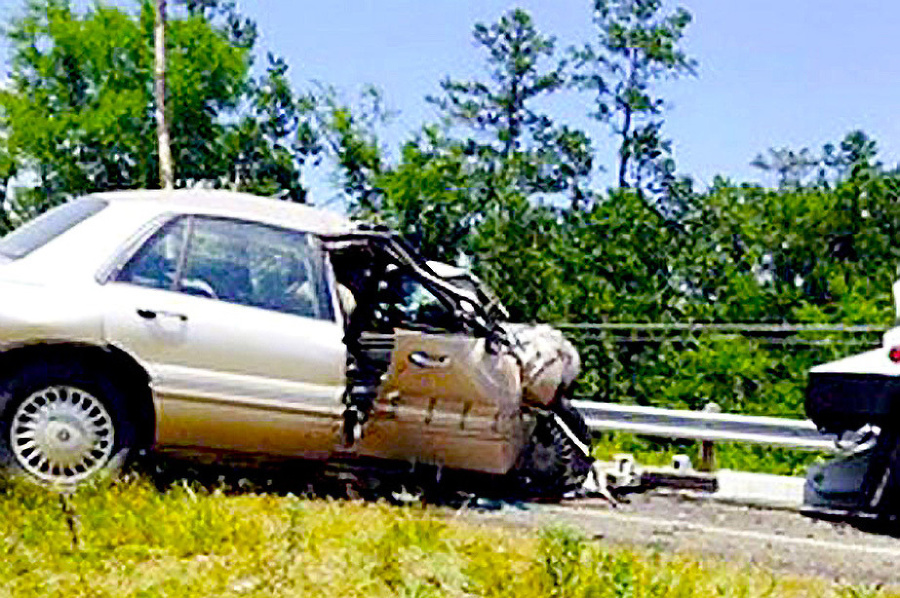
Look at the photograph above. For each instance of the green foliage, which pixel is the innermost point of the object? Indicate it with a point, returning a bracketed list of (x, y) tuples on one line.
[(349, 134), (853, 158), (78, 114), (511, 250), (629, 264), (636, 46), (502, 108), (790, 167), (429, 197), (511, 138), (799, 254), (611, 262), (264, 152), (745, 254)]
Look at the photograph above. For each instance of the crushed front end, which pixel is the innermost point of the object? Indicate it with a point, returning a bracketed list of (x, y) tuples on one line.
[(435, 375)]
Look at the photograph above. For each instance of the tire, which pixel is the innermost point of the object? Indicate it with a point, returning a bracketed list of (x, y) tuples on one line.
[(62, 423), (881, 484), (551, 464)]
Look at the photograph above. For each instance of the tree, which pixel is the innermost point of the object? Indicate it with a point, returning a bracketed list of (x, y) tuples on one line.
[(266, 150), (349, 135), (517, 249), (854, 154), (432, 196), (78, 114), (853, 157), (511, 132), (636, 47), (790, 167), (516, 51)]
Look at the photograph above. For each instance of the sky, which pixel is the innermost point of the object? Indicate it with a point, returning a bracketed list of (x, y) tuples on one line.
[(772, 73)]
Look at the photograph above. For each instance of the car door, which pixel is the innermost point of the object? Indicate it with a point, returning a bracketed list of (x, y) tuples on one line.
[(447, 397), (236, 323)]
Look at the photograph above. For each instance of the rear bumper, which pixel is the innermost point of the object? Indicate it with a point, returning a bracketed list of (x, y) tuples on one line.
[(839, 401)]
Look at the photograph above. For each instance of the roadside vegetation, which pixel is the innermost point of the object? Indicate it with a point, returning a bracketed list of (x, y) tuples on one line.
[(130, 539), (495, 182)]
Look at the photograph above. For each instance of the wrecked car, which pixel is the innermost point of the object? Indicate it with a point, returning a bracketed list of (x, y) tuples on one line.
[(218, 324)]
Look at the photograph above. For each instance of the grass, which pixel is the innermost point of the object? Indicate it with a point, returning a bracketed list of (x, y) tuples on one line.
[(130, 539)]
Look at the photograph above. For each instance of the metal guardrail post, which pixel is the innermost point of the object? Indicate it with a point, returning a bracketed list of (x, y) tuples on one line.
[(707, 448)]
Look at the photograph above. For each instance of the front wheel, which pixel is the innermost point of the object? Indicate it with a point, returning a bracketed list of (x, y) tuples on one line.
[(62, 424), (552, 464)]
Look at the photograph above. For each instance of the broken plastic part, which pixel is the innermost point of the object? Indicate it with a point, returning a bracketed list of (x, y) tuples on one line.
[(863, 439)]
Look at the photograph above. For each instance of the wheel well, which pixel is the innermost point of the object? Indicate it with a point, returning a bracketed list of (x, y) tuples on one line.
[(126, 373)]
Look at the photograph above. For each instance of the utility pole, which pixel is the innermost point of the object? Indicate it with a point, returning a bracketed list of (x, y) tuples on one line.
[(162, 127)]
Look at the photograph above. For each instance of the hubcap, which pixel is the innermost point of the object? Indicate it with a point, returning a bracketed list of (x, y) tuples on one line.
[(61, 434)]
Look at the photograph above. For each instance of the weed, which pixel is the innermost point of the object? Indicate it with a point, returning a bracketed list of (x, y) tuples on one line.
[(188, 541)]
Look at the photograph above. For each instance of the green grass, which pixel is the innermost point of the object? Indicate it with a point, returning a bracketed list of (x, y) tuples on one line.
[(130, 539)]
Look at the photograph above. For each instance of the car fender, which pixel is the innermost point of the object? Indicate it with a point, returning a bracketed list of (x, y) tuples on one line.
[(31, 313)]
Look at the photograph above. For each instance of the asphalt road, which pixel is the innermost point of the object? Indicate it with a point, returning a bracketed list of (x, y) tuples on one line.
[(780, 540)]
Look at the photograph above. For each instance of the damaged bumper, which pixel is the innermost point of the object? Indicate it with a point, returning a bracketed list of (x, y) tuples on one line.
[(844, 401), (550, 363), (849, 393)]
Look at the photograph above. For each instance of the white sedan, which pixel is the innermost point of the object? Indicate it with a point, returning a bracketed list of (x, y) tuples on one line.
[(221, 324)]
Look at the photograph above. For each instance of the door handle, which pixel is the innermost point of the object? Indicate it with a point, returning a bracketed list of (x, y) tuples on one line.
[(152, 314), (424, 360)]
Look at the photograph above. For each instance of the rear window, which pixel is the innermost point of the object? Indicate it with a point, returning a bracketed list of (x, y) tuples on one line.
[(49, 225)]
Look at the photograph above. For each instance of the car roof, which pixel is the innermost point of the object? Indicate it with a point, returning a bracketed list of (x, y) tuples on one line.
[(232, 204)]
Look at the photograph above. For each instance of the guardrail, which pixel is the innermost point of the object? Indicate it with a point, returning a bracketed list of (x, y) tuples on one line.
[(721, 328), (704, 425)]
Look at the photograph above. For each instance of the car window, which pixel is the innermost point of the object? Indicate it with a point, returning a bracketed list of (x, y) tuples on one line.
[(49, 225), (408, 303), (156, 262), (239, 262)]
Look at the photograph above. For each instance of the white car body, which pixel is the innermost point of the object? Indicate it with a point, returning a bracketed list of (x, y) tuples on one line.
[(859, 390)]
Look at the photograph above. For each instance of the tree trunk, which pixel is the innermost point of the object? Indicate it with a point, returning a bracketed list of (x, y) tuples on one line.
[(625, 150), (512, 114), (162, 127)]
